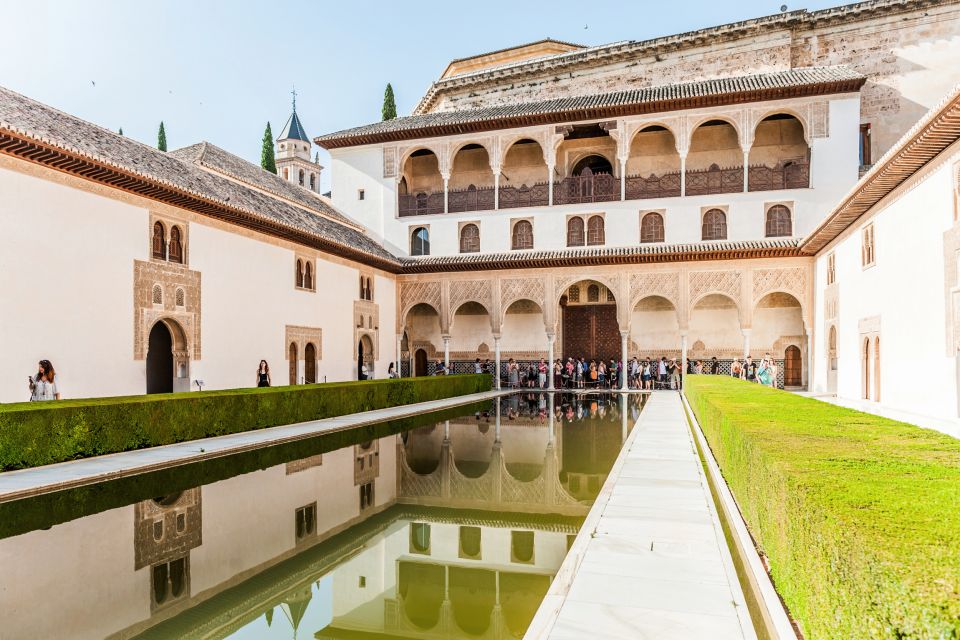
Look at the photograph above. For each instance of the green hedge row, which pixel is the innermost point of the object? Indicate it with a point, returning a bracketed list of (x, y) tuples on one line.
[(39, 433), (858, 515)]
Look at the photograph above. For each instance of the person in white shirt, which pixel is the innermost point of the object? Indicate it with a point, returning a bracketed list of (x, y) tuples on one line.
[(43, 386)]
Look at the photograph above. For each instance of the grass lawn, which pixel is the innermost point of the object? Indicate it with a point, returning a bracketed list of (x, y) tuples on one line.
[(859, 515)]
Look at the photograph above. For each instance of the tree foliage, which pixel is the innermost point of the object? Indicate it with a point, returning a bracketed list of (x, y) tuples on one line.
[(389, 110), (267, 158)]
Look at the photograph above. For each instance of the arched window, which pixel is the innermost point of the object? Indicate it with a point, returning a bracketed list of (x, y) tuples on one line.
[(301, 177), (595, 234), (470, 239), (714, 225), (363, 292), (308, 276), (181, 298), (286, 173), (593, 293), (157, 294), (159, 241), (651, 228), (300, 273), (573, 295), (369, 289), (176, 246), (313, 181), (522, 235), (778, 221), (575, 236), (420, 242)]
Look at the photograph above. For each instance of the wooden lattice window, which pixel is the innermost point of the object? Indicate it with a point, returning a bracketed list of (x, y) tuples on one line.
[(595, 233), (610, 296), (869, 248), (714, 225), (308, 276), (181, 298), (651, 228), (300, 273), (593, 293), (176, 246), (779, 221), (573, 294), (575, 235), (157, 294), (420, 242), (522, 235), (470, 239), (831, 268), (159, 241)]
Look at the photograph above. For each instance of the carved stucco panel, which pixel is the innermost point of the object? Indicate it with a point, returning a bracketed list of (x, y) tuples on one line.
[(666, 285), (462, 291), (513, 289), (792, 281), (705, 282), (416, 292)]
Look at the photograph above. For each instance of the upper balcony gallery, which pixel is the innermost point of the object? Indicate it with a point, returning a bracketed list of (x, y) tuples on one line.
[(734, 135)]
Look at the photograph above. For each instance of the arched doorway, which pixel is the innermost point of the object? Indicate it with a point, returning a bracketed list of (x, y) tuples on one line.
[(876, 369), (589, 318), (364, 357), (866, 369), (832, 360), (792, 367), (420, 363), (292, 357), (160, 360), (310, 363)]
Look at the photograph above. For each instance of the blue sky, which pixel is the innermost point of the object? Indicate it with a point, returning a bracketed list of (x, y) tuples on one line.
[(218, 71)]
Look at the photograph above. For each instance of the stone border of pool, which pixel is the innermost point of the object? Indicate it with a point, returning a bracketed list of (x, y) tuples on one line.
[(657, 494), (24, 483)]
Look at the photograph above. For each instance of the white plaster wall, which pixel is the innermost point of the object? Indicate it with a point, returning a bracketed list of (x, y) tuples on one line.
[(66, 288), (362, 168), (905, 289)]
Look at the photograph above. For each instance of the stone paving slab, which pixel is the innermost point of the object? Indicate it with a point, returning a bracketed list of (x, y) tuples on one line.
[(19, 484), (653, 563)]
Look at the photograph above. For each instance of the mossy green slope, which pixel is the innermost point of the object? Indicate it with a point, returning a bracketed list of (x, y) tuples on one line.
[(859, 515), (38, 433)]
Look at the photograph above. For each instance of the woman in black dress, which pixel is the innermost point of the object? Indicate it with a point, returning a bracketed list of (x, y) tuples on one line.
[(263, 374)]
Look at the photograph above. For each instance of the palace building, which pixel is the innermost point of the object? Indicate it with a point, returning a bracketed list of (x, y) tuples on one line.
[(784, 185)]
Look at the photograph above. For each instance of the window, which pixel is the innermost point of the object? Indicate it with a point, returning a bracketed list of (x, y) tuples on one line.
[(610, 296), (865, 157), (593, 293), (521, 547), (313, 182), (522, 235), (366, 496), (651, 228), (420, 538), (157, 294), (470, 239), (176, 246), (363, 288), (169, 581), (361, 194), (300, 273), (779, 221), (470, 542), (159, 241), (305, 523), (714, 225), (595, 234), (831, 268), (286, 174), (575, 235), (573, 295), (308, 276), (869, 248), (420, 242), (180, 298), (300, 178)]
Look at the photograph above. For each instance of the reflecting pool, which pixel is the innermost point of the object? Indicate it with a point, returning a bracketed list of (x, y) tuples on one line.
[(446, 525)]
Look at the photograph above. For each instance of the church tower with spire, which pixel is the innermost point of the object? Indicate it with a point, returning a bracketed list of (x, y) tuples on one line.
[(293, 154)]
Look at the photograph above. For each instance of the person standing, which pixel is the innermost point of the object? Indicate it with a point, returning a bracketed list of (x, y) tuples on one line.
[(513, 374), (736, 369), (43, 386), (391, 371), (674, 370), (263, 374), (477, 367), (714, 366), (662, 372), (542, 373)]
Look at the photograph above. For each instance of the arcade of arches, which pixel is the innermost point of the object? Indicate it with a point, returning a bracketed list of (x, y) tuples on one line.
[(696, 311)]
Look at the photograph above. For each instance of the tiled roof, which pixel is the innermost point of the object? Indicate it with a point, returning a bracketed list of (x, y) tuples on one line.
[(801, 81), (294, 129), (39, 132), (927, 139), (213, 157), (588, 256)]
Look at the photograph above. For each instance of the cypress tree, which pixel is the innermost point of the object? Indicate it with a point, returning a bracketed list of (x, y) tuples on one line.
[(389, 110), (162, 138), (121, 131), (267, 160)]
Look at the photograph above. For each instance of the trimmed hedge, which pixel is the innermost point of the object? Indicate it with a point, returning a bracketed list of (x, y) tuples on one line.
[(39, 433), (859, 515)]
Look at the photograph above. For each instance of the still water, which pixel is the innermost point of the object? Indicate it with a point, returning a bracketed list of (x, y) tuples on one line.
[(447, 525)]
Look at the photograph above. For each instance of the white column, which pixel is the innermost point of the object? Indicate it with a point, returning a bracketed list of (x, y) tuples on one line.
[(446, 194), (808, 365), (399, 355), (550, 168), (446, 353), (683, 175), (496, 188), (550, 420), (446, 429), (746, 342), (496, 367), (551, 337), (746, 170), (683, 354), (496, 424), (623, 178), (623, 359)]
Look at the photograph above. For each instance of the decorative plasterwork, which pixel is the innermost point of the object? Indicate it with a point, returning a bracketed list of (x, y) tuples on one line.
[(462, 291), (792, 281), (666, 285), (301, 336), (413, 293), (366, 322), (831, 302), (167, 528), (366, 463), (706, 282), (513, 289), (182, 320), (389, 162)]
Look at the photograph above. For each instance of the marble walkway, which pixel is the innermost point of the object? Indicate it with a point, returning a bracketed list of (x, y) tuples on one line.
[(651, 560), (65, 475)]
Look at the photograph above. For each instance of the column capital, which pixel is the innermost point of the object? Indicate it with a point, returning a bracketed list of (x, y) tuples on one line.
[(684, 333), (745, 330), (551, 336), (445, 337), (496, 337)]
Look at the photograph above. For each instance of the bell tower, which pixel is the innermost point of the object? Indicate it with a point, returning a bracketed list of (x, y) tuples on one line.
[(293, 154)]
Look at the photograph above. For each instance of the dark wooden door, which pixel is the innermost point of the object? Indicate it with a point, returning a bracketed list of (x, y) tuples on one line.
[(420, 363), (292, 356), (310, 363), (792, 374), (591, 331)]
